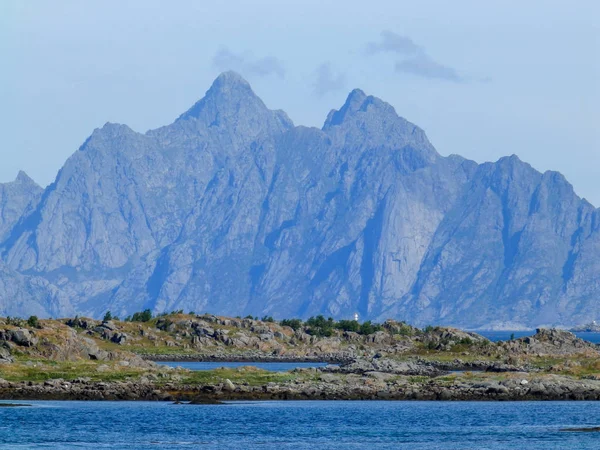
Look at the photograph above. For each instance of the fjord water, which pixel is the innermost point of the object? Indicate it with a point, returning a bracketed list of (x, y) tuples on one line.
[(494, 336), (300, 425)]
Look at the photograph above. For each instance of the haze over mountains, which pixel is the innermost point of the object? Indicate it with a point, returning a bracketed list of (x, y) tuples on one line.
[(233, 210)]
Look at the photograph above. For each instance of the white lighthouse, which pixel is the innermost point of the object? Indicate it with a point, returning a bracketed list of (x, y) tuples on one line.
[(356, 317)]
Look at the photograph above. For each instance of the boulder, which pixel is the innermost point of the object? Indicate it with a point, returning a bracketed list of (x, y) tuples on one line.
[(5, 357), (385, 365), (109, 325), (82, 322), (119, 338), (205, 331), (552, 342), (22, 337), (228, 386), (92, 350)]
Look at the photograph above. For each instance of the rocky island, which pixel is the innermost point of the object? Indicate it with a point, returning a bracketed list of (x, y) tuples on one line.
[(591, 327), (87, 359)]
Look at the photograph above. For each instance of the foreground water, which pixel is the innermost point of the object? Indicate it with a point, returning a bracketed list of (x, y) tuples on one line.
[(271, 366), (300, 425)]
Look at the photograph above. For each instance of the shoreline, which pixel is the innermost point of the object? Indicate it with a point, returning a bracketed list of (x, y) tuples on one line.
[(199, 399), (84, 359), (253, 358), (315, 385)]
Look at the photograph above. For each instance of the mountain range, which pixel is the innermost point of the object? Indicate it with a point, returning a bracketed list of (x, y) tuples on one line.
[(233, 210)]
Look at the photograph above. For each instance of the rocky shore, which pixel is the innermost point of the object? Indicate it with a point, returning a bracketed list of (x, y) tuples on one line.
[(323, 386), (84, 359)]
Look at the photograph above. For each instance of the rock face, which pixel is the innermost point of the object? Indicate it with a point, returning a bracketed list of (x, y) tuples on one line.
[(17, 198), (552, 342), (5, 356), (232, 209)]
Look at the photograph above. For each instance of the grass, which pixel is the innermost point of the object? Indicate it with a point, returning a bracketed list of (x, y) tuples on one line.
[(249, 376), (42, 370), (418, 379), (39, 370), (54, 333)]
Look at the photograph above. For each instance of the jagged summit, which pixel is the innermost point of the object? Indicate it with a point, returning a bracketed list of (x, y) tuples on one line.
[(231, 104), (367, 121), (25, 179), (352, 104), (227, 94), (233, 210), (110, 134), (229, 80), (359, 102), (21, 180)]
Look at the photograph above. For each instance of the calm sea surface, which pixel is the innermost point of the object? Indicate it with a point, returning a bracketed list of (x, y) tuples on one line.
[(505, 335), (285, 366), (300, 425), (271, 366)]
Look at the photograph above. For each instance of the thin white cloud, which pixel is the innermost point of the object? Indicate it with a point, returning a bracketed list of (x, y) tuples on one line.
[(423, 66), (415, 60), (393, 43)]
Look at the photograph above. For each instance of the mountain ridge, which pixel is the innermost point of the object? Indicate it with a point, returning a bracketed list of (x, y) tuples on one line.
[(234, 210)]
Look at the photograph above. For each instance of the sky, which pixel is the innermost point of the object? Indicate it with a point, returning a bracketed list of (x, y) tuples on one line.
[(483, 79)]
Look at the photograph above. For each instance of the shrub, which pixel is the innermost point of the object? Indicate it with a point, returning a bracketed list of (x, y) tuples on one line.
[(33, 322), (16, 321), (319, 326), (267, 319), (348, 325), (294, 324), (108, 316), (143, 316), (369, 328), (404, 330), (466, 341)]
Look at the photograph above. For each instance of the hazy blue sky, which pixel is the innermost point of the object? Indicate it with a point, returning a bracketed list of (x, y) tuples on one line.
[(483, 78)]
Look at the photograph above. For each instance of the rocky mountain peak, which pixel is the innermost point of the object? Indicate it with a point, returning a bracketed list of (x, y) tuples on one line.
[(231, 209), (359, 105), (25, 180), (229, 95), (111, 134), (16, 198), (232, 106), (365, 121), (353, 103), (229, 80)]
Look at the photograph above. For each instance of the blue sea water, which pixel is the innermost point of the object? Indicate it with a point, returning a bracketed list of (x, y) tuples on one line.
[(300, 425), (271, 366), (495, 336)]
